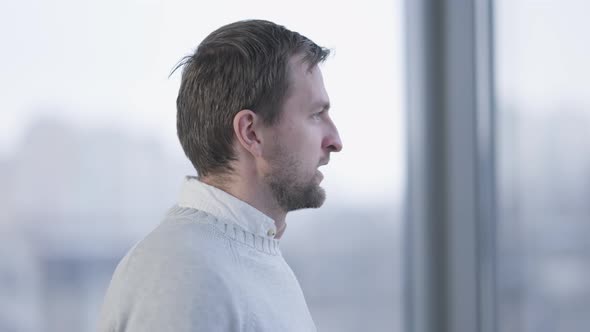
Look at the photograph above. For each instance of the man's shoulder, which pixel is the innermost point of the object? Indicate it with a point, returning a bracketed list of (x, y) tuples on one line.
[(184, 252), (181, 277), (185, 236)]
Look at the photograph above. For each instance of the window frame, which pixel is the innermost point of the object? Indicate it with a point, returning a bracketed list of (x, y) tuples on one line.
[(450, 279)]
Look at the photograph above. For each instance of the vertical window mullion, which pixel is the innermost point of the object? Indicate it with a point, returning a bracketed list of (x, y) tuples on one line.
[(450, 189)]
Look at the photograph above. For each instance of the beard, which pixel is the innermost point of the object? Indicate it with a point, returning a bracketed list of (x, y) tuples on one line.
[(290, 187)]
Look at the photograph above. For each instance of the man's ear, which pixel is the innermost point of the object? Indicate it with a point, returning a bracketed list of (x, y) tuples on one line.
[(246, 128)]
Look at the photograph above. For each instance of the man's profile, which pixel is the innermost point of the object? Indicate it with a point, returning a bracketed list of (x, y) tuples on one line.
[(252, 117)]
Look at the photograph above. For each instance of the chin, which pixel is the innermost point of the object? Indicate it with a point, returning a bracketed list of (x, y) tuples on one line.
[(292, 194), (317, 198)]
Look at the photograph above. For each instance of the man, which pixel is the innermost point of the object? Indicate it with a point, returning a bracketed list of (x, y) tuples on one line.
[(253, 120)]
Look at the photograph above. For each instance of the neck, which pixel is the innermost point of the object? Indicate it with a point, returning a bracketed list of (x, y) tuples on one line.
[(254, 193)]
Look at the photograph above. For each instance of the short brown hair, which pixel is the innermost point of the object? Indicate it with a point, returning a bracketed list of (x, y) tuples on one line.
[(242, 65)]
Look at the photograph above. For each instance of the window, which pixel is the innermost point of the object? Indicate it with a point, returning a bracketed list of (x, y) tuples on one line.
[(89, 160), (543, 103)]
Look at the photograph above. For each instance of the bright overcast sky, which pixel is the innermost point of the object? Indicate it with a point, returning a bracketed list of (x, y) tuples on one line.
[(543, 54), (105, 63)]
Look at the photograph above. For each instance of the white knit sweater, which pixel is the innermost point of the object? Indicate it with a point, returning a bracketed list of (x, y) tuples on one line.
[(212, 265)]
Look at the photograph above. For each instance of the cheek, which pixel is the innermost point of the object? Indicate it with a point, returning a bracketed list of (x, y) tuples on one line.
[(304, 141)]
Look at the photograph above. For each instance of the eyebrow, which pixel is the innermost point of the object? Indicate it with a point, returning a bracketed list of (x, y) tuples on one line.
[(324, 106)]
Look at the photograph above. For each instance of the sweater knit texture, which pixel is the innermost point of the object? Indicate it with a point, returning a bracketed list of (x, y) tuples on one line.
[(213, 264)]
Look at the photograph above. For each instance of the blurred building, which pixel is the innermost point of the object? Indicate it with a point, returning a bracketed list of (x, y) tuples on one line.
[(542, 242), (72, 204), (75, 201)]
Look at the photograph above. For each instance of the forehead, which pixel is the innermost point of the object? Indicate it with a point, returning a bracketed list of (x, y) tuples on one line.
[(305, 82)]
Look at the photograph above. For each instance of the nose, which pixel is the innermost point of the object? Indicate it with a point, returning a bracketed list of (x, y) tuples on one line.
[(332, 141)]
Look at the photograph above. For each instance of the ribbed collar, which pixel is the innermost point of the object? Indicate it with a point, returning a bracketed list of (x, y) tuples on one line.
[(201, 196)]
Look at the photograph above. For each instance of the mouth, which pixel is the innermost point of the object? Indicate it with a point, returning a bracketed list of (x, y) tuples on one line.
[(320, 176)]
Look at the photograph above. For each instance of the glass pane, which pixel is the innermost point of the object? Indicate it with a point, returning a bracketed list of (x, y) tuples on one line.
[(89, 159), (544, 165)]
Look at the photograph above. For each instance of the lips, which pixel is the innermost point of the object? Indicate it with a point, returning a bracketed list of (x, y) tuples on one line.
[(320, 176), (322, 163)]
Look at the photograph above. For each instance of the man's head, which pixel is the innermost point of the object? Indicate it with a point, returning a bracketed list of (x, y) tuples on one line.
[(254, 86), (239, 66)]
